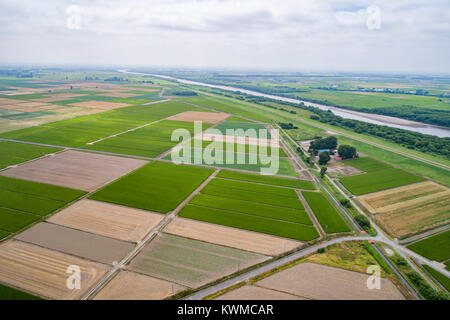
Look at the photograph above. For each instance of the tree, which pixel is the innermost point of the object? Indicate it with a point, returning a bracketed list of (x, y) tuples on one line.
[(347, 152), (323, 171), (363, 221), (324, 157)]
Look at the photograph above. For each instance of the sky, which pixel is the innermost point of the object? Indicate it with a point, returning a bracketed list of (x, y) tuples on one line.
[(303, 35)]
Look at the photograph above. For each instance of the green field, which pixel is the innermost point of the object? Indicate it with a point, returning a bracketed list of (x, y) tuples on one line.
[(7, 293), (237, 147), (157, 186), (24, 202), (442, 279), (239, 161), (379, 176), (226, 106), (78, 131), (148, 141), (264, 179), (367, 164), (435, 248), (328, 217), (12, 153), (252, 195), (252, 208), (250, 222), (241, 129), (266, 190)]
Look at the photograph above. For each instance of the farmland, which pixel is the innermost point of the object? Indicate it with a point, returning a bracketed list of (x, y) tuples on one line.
[(24, 202), (7, 293), (443, 280), (328, 217), (231, 237), (409, 209), (379, 176), (436, 247), (13, 153), (277, 181), (191, 262), (74, 169), (157, 186)]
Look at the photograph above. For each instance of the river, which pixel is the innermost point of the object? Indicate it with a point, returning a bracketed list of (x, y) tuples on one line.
[(347, 114)]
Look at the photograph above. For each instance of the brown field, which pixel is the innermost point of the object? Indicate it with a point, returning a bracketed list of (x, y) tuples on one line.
[(4, 101), (59, 97), (397, 198), (119, 94), (103, 105), (231, 237), (33, 104), (315, 281), (74, 169), (254, 292), (134, 286), (43, 272), (207, 117), (409, 209), (109, 220), (237, 139), (417, 216), (343, 170), (79, 243)]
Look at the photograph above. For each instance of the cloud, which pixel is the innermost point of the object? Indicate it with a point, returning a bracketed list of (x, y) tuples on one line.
[(255, 33)]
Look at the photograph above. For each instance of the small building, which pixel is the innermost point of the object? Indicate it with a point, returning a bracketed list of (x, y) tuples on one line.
[(338, 158)]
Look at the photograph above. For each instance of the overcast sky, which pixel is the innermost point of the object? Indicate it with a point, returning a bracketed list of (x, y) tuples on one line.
[(358, 35)]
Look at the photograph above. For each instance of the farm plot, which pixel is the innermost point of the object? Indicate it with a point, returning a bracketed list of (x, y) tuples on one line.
[(106, 219), (254, 292), (411, 208), (74, 169), (7, 293), (148, 141), (270, 180), (315, 281), (239, 190), (24, 202), (238, 147), (439, 277), (328, 217), (74, 242), (189, 262), (206, 117), (78, 131), (134, 286), (12, 153), (231, 237), (157, 186), (233, 160), (241, 128), (250, 222), (435, 248), (44, 272), (379, 176)]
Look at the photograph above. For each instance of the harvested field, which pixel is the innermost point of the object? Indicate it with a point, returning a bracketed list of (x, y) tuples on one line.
[(315, 281), (207, 117), (104, 105), (79, 243), (189, 262), (134, 286), (109, 220), (43, 271), (398, 198), (74, 169), (343, 170), (231, 237), (253, 292), (416, 215)]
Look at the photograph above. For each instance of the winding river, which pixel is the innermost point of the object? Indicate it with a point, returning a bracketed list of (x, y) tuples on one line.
[(347, 114)]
